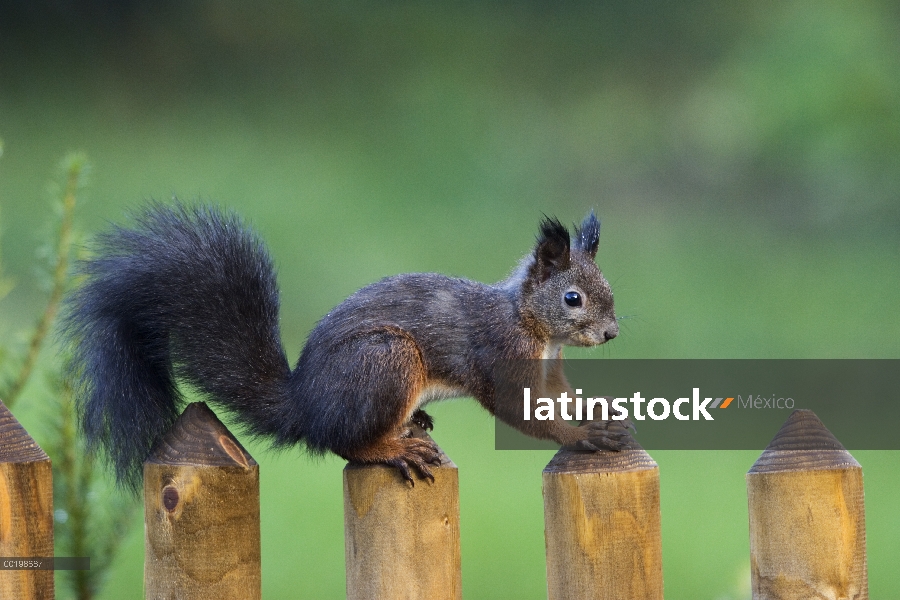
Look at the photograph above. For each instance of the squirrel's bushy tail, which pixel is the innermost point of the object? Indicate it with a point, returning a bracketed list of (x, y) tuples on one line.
[(188, 293)]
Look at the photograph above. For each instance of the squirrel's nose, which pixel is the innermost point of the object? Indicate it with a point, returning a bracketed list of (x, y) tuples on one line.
[(611, 332)]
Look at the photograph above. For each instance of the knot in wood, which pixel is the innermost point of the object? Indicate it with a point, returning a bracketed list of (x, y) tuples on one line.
[(170, 497)]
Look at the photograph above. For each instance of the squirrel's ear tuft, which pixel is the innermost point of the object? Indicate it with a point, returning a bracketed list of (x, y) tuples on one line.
[(551, 254), (588, 235)]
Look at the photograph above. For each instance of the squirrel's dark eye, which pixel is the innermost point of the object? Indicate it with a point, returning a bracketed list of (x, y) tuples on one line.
[(573, 299)]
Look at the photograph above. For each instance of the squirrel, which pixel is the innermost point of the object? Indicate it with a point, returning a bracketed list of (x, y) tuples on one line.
[(189, 293)]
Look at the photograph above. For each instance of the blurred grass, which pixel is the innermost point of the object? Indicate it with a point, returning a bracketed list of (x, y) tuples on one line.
[(744, 162)]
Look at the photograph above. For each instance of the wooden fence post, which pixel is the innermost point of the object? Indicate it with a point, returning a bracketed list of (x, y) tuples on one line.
[(602, 525), (807, 518), (201, 513), (402, 541), (26, 510)]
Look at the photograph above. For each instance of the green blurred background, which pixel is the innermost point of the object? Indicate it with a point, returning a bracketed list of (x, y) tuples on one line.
[(744, 158)]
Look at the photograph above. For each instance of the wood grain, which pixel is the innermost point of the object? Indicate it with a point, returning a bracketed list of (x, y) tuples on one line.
[(26, 510), (402, 541), (602, 525), (201, 512), (807, 516)]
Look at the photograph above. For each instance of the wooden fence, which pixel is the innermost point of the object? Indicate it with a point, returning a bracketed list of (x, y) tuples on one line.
[(601, 511)]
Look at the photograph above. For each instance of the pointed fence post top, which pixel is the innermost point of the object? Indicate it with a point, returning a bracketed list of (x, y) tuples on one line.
[(199, 438), (16, 446), (26, 509), (802, 444), (602, 525)]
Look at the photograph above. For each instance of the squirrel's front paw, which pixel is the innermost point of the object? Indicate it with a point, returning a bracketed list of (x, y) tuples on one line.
[(605, 435), (416, 453), (422, 419)]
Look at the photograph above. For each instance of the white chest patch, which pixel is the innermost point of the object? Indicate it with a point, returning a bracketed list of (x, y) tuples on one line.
[(551, 351)]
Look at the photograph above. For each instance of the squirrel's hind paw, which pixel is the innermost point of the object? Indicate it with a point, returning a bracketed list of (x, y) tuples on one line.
[(404, 453), (419, 454)]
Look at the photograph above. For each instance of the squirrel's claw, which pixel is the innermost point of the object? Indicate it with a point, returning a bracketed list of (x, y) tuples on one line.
[(419, 454), (598, 444), (401, 466)]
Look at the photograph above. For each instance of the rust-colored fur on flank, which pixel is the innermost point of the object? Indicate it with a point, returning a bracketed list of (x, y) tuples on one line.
[(403, 358)]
